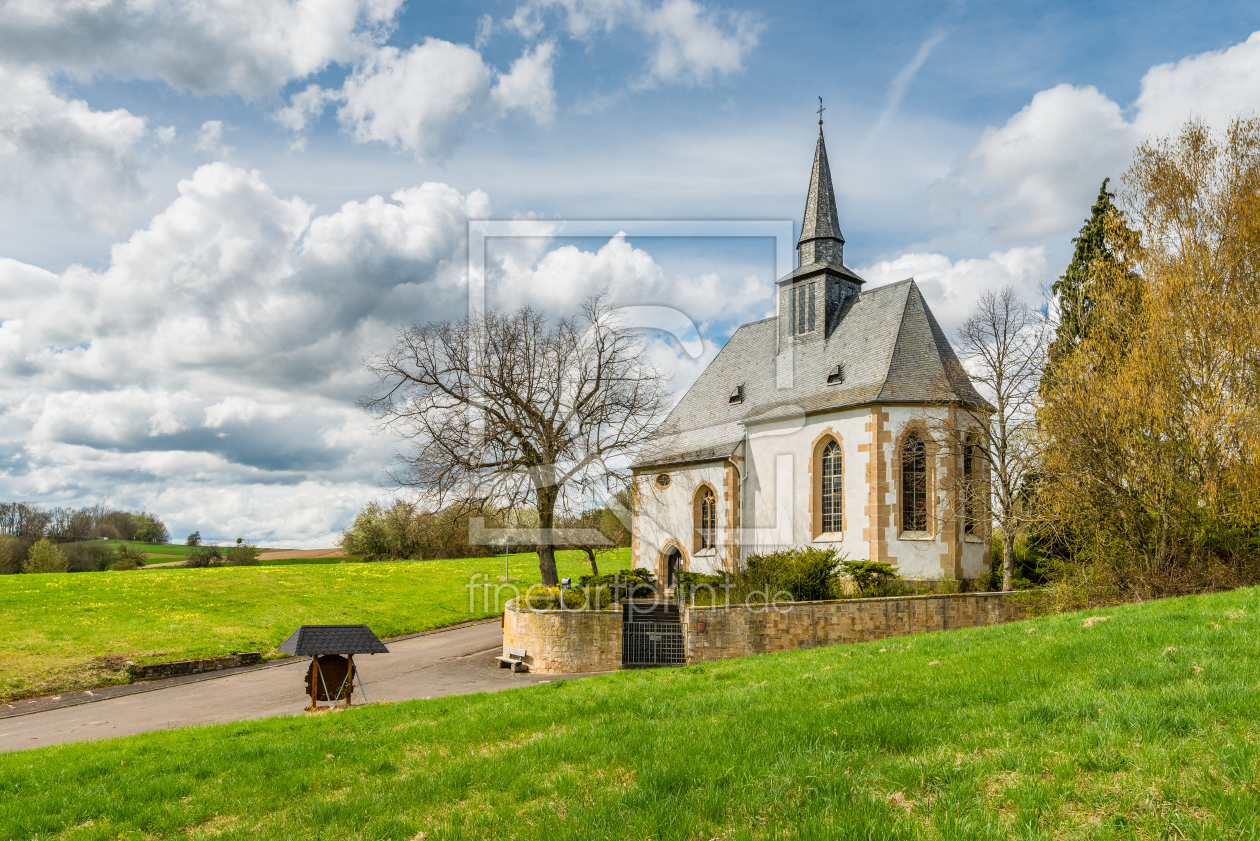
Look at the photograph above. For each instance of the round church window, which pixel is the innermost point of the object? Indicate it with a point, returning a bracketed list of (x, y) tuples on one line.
[(662, 480)]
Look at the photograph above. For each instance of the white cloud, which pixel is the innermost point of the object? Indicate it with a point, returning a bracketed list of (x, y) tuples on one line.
[(415, 99), (691, 43), (485, 28), (1036, 176), (951, 288), (532, 270), (213, 364), (530, 84), (304, 108), (1214, 85), (419, 98), (165, 134), (60, 149), (695, 44), (208, 47), (210, 138)]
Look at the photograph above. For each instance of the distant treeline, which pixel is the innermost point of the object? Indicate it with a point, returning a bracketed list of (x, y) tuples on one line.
[(406, 530), (68, 525)]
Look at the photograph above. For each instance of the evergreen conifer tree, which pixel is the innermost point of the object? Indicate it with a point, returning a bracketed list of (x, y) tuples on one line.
[(1075, 289)]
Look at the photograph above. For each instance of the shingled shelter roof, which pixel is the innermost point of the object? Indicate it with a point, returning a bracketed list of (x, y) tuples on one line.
[(317, 640), (890, 346)]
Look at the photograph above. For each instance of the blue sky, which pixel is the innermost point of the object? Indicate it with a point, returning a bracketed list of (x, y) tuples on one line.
[(210, 212)]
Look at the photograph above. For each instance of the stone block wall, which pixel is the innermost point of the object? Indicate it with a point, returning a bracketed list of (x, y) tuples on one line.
[(565, 641), (177, 668), (743, 630)]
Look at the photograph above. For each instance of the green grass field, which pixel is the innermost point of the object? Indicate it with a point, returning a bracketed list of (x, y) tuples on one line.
[(74, 630), (1141, 726)]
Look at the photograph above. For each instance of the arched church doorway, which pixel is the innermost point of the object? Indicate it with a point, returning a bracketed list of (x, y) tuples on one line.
[(673, 563)]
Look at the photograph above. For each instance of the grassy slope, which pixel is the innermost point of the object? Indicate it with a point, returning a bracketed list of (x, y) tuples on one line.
[(53, 626), (175, 550), (1042, 729)]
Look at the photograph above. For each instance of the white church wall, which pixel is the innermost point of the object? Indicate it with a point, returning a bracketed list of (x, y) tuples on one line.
[(777, 505), (666, 515), (915, 556), (778, 486)]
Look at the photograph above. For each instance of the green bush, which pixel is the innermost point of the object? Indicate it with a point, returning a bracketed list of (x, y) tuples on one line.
[(44, 557), (576, 598), (88, 556), (204, 556), (624, 583), (243, 555), (127, 559), (697, 588), (805, 573), (872, 578)]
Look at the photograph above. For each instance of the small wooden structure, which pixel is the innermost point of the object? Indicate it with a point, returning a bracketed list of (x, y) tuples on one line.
[(513, 657), (332, 649)]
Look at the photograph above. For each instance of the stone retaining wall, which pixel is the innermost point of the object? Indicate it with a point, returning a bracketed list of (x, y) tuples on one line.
[(176, 668), (565, 641), (742, 630)]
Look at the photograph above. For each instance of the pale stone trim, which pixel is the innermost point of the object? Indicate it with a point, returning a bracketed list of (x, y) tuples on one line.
[(733, 504), (878, 512)]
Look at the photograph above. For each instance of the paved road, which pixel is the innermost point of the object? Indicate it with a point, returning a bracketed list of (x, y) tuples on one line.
[(453, 662)]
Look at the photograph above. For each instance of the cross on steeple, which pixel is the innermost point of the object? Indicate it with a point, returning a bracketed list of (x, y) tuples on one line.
[(820, 110)]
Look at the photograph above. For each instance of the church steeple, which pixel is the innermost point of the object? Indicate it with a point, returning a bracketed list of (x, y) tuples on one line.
[(821, 240)]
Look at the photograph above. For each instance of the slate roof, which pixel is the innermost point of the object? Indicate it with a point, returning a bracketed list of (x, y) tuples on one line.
[(888, 341), (332, 639), (821, 239)]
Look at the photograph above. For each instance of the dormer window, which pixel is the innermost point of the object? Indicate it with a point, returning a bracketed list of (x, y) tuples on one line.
[(836, 376), (737, 396)]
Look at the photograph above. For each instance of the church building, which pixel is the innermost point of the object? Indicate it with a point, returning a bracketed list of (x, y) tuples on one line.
[(845, 421)]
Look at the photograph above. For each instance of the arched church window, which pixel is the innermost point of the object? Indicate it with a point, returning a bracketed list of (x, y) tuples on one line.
[(970, 494), (914, 485), (832, 488), (707, 513)]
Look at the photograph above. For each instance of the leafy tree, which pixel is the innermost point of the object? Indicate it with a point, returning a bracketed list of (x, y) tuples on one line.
[(149, 529), (194, 539), (44, 556), (379, 532), (1152, 459), (12, 553)]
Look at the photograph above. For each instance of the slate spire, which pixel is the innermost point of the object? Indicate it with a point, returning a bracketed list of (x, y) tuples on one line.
[(821, 240)]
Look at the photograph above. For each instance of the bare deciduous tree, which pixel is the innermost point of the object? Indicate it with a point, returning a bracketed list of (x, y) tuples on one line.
[(507, 409), (1003, 347)]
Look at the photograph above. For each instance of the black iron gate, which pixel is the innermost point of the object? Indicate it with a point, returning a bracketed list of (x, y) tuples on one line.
[(648, 643)]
